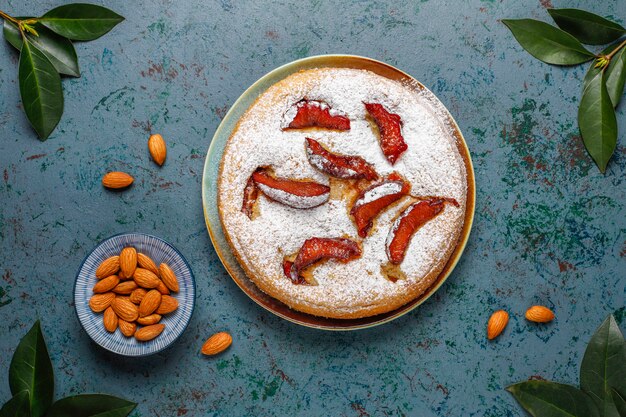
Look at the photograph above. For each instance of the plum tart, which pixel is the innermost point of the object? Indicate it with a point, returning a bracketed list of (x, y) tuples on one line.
[(342, 193)]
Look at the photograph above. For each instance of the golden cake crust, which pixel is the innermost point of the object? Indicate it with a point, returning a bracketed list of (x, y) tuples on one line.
[(432, 164)]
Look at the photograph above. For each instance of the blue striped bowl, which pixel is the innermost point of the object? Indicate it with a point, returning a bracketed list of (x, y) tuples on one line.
[(175, 323)]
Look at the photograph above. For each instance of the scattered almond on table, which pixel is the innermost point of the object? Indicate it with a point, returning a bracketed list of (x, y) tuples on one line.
[(539, 314), (496, 324), (217, 343), (157, 148), (132, 291), (116, 180)]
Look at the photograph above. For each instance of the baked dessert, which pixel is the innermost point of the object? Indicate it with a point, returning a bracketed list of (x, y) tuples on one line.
[(342, 193)]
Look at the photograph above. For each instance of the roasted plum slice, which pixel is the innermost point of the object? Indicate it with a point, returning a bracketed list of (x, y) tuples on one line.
[(294, 193), (336, 165), (316, 249), (313, 113), (373, 200), (390, 127), (250, 194), (409, 222)]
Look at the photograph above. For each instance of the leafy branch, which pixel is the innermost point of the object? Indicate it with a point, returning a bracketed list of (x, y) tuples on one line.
[(31, 380), (602, 390), (47, 53), (603, 86)]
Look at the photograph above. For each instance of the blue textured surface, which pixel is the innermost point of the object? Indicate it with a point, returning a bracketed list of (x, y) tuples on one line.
[(549, 228)]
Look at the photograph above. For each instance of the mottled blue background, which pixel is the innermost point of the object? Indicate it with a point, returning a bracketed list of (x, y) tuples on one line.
[(549, 228)]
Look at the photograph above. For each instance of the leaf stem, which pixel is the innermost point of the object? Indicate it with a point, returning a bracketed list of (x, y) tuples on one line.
[(614, 51), (9, 18)]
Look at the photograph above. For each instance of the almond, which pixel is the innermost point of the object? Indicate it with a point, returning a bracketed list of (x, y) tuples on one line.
[(125, 288), (106, 284), (117, 180), (122, 276), (108, 267), (128, 261), (162, 288), (145, 278), (146, 262), (137, 295), (168, 277), (150, 303), (157, 148), (100, 302), (217, 343), (148, 320), (127, 329), (168, 304), (125, 309), (110, 320), (497, 323), (539, 314), (149, 332)]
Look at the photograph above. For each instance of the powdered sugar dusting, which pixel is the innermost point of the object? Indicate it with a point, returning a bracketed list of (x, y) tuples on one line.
[(432, 164), (380, 191)]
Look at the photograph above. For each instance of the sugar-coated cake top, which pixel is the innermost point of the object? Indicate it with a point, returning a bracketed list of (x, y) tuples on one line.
[(432, 164)]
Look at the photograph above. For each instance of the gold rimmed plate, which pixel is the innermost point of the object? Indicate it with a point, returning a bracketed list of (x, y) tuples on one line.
[(210, 181)]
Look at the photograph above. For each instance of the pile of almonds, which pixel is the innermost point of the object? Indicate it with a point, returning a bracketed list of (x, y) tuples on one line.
[(132, 291), (500, 318)]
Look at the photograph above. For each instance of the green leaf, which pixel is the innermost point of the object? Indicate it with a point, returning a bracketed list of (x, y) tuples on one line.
[(547, 43), (40, 87), (620, 402), (587, 27), (87, 405), (597, 121), (18, 406), (591, 74), (80, 21), (604, 365), (549, 399), (31, 370), (58, 50), (616, 76)]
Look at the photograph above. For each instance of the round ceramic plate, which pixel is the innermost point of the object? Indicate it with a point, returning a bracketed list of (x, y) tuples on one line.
[(175, 323), (209, 190)]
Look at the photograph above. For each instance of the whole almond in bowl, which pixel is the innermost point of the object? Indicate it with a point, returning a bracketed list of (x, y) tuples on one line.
[(150, 302), (148, 320), (128, 261), (145, 278), (539, 314), (168, 277), (168, 305), (117, 180), (157, 148), (137, 295), (125, 287), (106, 284), (110, 320), (125, 309), (127, 328), (162, 288), (148, 333), (146, 262), (100, 302), (108, 267)]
